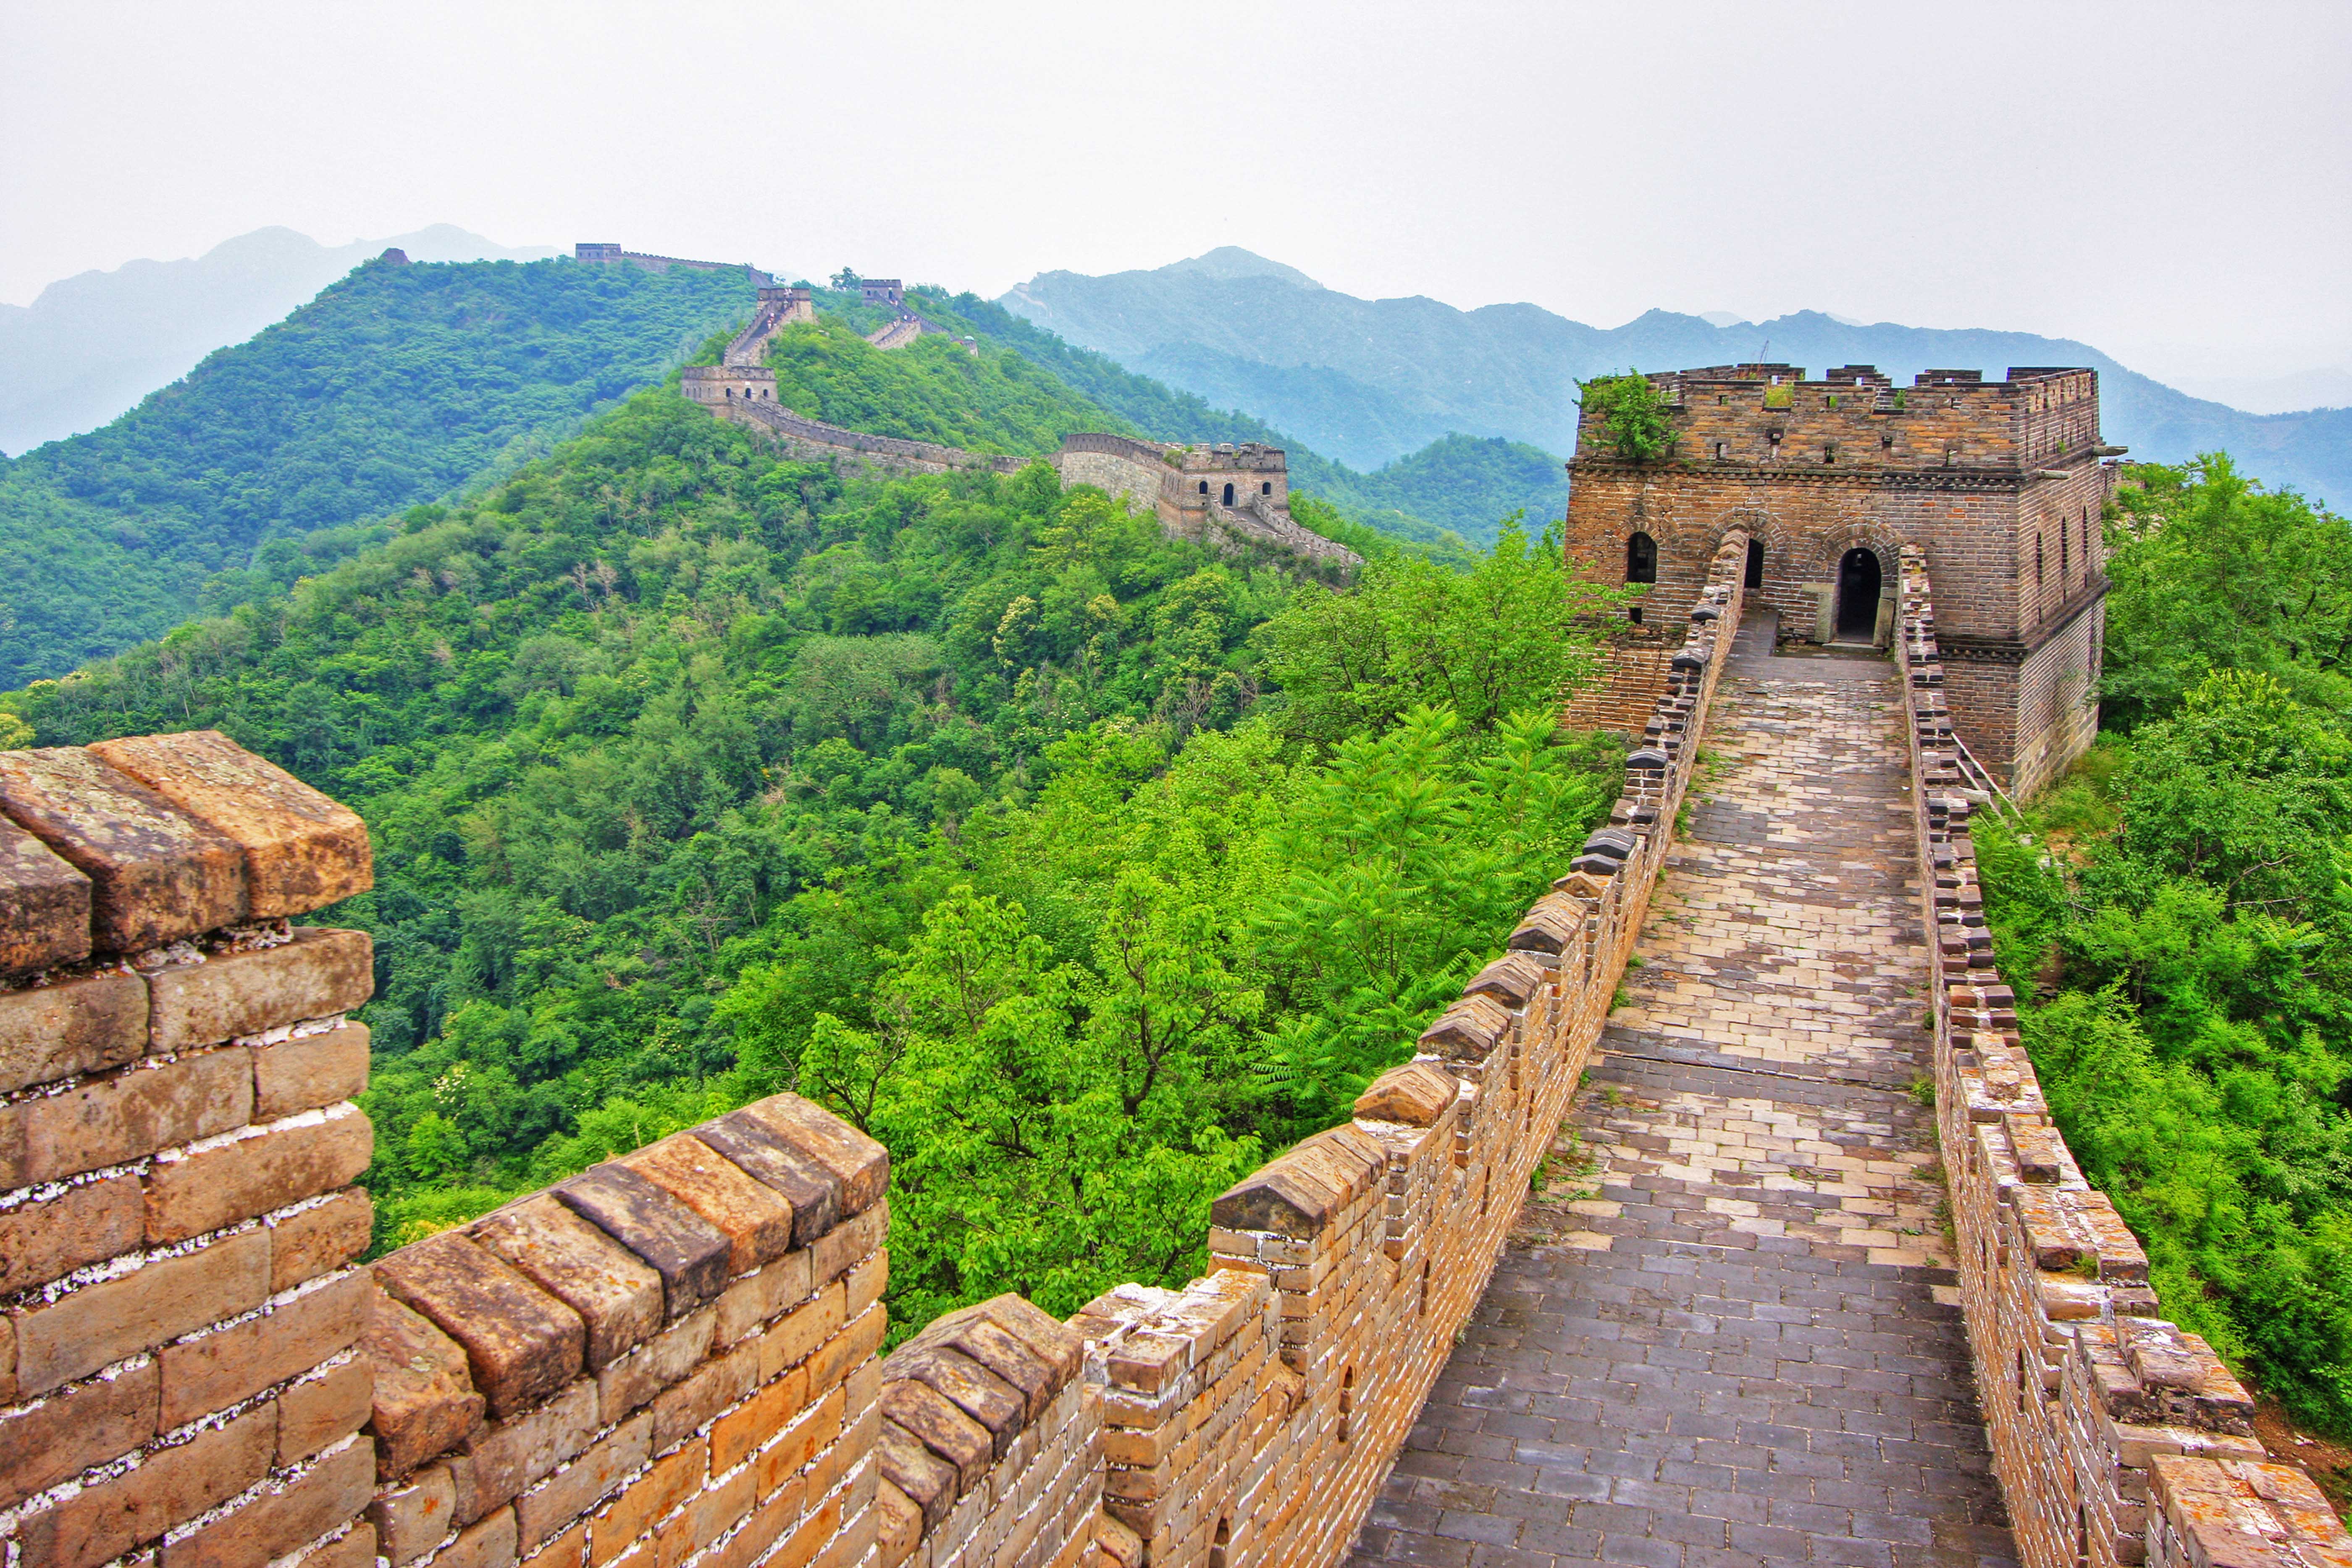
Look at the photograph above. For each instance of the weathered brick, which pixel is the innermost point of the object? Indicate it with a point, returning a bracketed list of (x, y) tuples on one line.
[(800, 1333), (850, 1243), (941, 1428), (502, 1459), (767, 1412), (636, 1378), (523, 1343), (756, 1220), (568, 1550), (83, 1025), (49, 1239), (44, 904), (748, 1303), (216, 1370), (687, 1251), (331, 1492), (804, 1181), (309, 1071), (127, 1114), (424, 1399), (898, 1526), (415, 1516), (802, 1440), (580, 1486), (99, 1420), (686, 1407), (320, 1412), (712, 1513), (97, 1324), (490, 1543), (928, 1480), (302, 850), (321, 1235), (856, 1161), (170, 1487), (647, 1502), (617, 1296), (263, 1168), (355, 1548), (156, 873), (867, 1282), (320, 973), (837, 1356)]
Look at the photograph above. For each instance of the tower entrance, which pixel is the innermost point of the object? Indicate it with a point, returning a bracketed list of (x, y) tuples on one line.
[(1857, 607)]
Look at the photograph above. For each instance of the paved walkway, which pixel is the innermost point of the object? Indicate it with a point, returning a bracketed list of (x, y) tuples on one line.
[(1724, 1333)]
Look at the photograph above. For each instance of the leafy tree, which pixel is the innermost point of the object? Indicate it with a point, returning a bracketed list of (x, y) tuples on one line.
[(1636, 421)]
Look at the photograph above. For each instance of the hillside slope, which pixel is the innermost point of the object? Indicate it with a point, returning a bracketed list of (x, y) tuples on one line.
[(1371, 380), (92, 345), (396, 386)]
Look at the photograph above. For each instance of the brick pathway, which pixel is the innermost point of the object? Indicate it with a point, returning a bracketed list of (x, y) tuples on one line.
[(1725, 1330)]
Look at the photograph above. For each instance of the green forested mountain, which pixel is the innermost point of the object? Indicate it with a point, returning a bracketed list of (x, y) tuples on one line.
[(396, 386), (1081, 866)]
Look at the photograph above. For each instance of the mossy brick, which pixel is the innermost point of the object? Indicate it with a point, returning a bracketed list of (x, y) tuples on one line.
[(546, 1511), (319, 972), (861, 1165), (424, 1402), (83, 1025), (318, 1237), (44, 904), (215, 1371), (126, 1114), (255, 1171), (618, 1298), (756, 1219), (170, 1487), (413, 1516), (318, 1412), (522, 1343), (268, 1526), (802, 1180), (156, 873), (498, 1460), (634, 1379), (308, 1070), (302, 850), (689, 1253), (47, 1238), (91, 1424), (102, 1323)]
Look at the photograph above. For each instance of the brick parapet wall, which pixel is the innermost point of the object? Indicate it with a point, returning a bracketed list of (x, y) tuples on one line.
[(2118, 1436), (179, 1318), (673, 1359)]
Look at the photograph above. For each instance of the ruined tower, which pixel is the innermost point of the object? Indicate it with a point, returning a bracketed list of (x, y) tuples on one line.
[(2000, 482)]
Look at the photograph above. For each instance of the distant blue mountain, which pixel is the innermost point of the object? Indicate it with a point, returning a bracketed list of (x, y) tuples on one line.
[(1369, 380)]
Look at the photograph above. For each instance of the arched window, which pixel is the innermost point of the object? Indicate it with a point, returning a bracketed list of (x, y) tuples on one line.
[(1204, 487), (1229, 495), (1266, 488), (1641, 559)]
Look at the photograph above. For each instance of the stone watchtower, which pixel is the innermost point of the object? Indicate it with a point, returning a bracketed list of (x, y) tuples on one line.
[(2000, 483)]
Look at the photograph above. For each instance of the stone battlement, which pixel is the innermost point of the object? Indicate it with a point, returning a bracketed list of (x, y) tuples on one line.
[(613, 254), (2118, 1436), (673, 1357)]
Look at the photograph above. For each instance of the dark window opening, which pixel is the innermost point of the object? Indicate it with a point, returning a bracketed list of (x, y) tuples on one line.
[(1266, 488), (1722, 450), (1635, 615), (1641, 559), (1857, 615), (2037, 559), (1755, 563), (1829, 452), (1229, 495), (1204, 487), (2065, 553)]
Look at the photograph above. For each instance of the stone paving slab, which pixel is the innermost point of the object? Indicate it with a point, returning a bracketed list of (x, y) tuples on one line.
[(1726, 1329)]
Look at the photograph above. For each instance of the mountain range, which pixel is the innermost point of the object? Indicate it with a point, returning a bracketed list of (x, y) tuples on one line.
[(92, 345), (1369, 381)]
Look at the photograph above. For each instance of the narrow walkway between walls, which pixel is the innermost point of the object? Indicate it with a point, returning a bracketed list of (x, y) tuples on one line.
[(1726, 1329)]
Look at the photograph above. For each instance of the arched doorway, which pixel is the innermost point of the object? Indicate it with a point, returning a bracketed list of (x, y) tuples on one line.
[(1857, 615), (1641, 559), (1755, 563), (1229, 495)]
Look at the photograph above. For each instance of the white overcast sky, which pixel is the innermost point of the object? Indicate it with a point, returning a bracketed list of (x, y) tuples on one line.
[(2171, 181)]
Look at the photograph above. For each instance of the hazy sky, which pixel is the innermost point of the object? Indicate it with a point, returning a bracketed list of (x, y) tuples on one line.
[(2171, 181)]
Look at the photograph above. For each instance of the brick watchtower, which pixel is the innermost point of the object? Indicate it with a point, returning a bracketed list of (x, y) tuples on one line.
[(2000, 482)]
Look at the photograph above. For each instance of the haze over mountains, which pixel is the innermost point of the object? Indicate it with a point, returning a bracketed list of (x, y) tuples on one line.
[(1369, 380), (92, 345)]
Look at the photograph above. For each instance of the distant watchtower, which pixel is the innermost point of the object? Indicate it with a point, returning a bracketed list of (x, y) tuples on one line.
[(881, 291), (2000, 482)]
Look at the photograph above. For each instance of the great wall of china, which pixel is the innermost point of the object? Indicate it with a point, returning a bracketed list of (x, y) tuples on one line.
[(1746, 1348)]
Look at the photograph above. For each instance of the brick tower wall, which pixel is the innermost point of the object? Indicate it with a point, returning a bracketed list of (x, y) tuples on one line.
[(1998, 482), (2118, 1436), (673, 1359)]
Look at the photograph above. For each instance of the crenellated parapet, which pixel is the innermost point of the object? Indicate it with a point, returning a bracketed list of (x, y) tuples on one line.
[(2118, 1436)]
